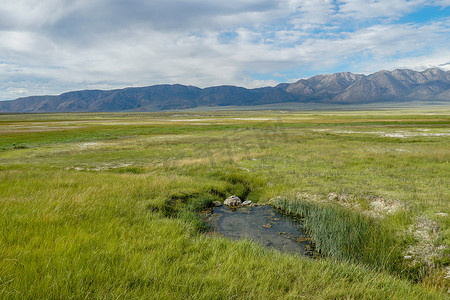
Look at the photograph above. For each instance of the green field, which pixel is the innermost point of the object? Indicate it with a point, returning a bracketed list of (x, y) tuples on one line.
[(110, 205)]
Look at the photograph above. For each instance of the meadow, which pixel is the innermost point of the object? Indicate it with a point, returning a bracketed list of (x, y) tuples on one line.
[(110, 205)]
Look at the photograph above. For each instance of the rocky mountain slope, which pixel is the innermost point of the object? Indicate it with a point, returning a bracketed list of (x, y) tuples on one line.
[(339, 88)]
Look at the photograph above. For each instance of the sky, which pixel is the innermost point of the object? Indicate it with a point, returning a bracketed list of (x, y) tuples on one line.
[(55, 46)]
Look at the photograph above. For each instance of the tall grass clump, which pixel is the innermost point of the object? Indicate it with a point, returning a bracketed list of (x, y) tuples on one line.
[(187, 207), (190, 211), (347, 235)]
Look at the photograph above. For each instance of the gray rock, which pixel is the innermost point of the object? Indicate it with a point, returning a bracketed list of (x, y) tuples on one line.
[(247, 202), (217, 203), (233, 201)]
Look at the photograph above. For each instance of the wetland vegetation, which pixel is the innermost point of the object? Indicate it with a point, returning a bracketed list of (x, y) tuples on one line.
[(108, 205)]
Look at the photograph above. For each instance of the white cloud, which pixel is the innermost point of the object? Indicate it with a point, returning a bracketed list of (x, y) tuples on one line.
[(313, 13), (438, 59), (366, 9), (363, 9), (51, 46)]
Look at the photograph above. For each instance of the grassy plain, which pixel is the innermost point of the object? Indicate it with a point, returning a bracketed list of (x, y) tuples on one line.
[(105, 205)]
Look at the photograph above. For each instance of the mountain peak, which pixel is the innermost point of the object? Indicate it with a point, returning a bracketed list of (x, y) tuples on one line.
[(342, 87), (433, 72)]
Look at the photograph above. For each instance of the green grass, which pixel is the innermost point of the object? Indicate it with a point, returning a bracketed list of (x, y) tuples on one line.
[(346, 235), (107, 205)]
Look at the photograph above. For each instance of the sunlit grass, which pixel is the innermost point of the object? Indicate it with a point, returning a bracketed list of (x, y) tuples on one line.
[(107, 206)]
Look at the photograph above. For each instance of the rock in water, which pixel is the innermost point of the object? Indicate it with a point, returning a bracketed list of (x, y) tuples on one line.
[(217, 203), (248, 202), (233, 201)]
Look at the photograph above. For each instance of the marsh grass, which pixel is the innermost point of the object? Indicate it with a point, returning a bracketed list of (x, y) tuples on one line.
[(350, 236), (107, 207)]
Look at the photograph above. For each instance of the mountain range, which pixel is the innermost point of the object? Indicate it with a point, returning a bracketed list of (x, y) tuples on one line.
[(340, 88)]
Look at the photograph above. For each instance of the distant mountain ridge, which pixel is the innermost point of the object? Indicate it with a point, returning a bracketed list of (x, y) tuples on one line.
[(340, 88)]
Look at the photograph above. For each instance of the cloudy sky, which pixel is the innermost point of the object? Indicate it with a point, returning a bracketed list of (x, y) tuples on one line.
[(53, 46)]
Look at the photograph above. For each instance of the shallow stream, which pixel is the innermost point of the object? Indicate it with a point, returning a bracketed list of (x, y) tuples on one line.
[(263, 224)]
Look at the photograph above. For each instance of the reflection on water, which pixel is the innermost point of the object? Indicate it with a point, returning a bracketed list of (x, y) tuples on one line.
[(262, 224)]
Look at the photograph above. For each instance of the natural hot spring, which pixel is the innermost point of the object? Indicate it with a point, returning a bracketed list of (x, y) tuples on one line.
[(263, 224)]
